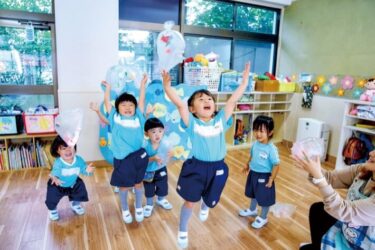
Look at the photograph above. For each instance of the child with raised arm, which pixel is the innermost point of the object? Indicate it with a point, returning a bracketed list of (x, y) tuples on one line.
[(156, 177), (262, 169), (130, 159), (65, 179), (203, 176)]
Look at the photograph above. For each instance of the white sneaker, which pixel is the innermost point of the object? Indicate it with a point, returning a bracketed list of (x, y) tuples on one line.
[(248, 212), (259, 222), (164, 203), (116, 189), (139, 216), (78, 209), (127, 217), (53, 215), (147, 210), (182, 239), (203, 214)]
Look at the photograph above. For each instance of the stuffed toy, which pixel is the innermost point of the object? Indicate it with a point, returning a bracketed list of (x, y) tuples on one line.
[(369, 94)]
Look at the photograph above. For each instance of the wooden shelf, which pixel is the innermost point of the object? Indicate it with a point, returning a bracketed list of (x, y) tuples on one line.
[(22, 136), (360, 118)]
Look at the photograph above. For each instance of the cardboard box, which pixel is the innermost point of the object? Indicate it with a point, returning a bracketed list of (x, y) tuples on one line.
[(267, 85)]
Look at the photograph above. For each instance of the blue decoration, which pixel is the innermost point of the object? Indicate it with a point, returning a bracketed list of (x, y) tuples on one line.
[(164, 109), (327, 88)]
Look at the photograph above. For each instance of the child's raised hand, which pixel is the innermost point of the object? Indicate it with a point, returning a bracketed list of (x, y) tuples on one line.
[(166, 78), (106, 84), (158, 160), (144, 80), (55, 181), (94, 106), (90, 168), (149, 110), (269, 183), (246, 72)]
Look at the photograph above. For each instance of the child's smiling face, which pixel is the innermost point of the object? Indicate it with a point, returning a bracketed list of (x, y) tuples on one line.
[(126, 108), (262, 135), (66, 153), (155, 134), (203, 107)]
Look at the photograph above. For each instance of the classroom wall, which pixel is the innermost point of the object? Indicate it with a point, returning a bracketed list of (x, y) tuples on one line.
[(326, 37), (87, 45)]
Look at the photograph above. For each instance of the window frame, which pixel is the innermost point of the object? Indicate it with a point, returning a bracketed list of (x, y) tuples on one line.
[(46, 21)]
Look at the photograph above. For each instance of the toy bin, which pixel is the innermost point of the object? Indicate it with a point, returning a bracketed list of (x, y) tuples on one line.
[(231, 80), (40, 120), (203, 76), (267, 85), (11, 123), (287, 87)]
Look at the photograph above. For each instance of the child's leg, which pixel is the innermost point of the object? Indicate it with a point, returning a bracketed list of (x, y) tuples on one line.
[(53, 197), (161, 188), (185, 214), (253, 204), (264, 212), (124, 198), (138, 195)]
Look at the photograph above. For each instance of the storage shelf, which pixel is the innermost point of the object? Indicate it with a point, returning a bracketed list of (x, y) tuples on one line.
[(256, 103), (261, 111), (26, 136), (360, 118), (364, 130)]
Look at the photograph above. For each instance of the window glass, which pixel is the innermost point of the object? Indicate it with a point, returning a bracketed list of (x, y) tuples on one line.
[(204, 45), (26, 101), (255, 19), (259, 53), (23, 62), (209, 14), (37, 6), (138, 46)]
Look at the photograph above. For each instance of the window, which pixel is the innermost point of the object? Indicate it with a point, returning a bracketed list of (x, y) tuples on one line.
[(138, 47), (36, 6), (209, 14), (27, 54), (205, 45), (256, 19), (259, 53), (23, 62)]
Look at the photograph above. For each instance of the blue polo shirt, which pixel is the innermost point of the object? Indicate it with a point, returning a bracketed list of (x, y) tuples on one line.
[(208, 138), (69, 172), (127, 133), (263, 157)]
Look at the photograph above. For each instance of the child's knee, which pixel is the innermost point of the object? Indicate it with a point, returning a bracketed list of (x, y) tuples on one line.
[(189, 204), (138, 185)]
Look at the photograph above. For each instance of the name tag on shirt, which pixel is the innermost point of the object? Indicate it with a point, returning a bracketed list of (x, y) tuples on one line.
[(70, 171), (263, 155)]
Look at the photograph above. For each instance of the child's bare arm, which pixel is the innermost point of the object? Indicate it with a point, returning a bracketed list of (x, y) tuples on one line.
[(231, 103), (246, 168), (182, 108), (275, 170), (142, 93), (107, 96), (94, 107)]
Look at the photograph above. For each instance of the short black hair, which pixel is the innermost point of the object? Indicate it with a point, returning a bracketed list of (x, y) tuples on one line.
[(57, 142), (125, 97), (153, 123), (199, 93), (265, 121)]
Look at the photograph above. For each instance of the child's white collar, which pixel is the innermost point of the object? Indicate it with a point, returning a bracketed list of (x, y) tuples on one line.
[(69, 164)]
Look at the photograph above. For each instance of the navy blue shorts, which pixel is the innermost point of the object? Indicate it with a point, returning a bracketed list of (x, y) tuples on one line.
[(202, 179), (130, 170), (159, 185), (256, 188), (76, 193)]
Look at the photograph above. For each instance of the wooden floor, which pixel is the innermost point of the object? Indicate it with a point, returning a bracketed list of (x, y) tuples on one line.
[(24, 222)]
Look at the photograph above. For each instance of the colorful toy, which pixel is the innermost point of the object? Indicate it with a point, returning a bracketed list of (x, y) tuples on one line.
[(369, 94)]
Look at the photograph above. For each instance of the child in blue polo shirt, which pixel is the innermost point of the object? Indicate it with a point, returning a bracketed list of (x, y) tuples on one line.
[(204, 175), (64, 178), (262, 169), (156, 177), (130, 159)]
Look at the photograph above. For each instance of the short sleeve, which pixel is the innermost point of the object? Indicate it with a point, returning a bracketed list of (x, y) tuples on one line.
[(274, 155), (190, 125), (56, 168), (111, 115), (226, 123)]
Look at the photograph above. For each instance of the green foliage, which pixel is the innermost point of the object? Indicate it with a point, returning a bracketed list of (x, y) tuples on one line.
[(37, 6), (255, 19)]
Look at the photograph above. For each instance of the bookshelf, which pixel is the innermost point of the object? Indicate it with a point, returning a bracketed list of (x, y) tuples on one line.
[(273, 104), (25, 151)]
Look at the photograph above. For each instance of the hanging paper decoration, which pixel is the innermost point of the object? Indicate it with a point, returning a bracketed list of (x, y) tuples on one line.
[(347, 82), (321, 80), (315, 88), (333, 80), (68, 125), (170, 46), (357, 93), (327, 88), (361, 83), (340, 92)]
